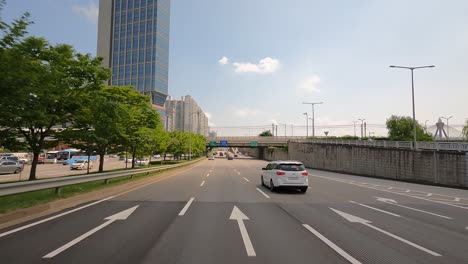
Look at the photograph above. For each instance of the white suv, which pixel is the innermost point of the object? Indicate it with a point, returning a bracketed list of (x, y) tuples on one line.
[(291, 174)]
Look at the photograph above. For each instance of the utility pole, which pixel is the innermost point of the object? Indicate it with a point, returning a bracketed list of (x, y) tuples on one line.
[(307, 124), (362, 125), (313, 116), (365, 128)]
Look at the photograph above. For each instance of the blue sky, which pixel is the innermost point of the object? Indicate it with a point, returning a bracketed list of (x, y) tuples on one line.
[(281, 53)]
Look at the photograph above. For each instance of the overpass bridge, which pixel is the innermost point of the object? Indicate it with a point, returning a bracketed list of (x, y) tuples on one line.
[(282, 141), (250, 141)]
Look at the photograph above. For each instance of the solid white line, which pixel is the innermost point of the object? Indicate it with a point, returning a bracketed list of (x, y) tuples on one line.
[(264, 194), (245, 237), (419, 210), (202, 183), (246, 179), (186, 207), (373, 208), (78, 239), (336, 248), (403, 240), (53, 217)]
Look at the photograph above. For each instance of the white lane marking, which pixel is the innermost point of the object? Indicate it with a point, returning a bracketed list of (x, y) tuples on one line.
[(393, 202), (456, 199), (246, 179), (264, 194), (408, 191), (208, 175), (389, 188), (429, 194), (202, 183), (336, 248), (53, 217), (408, 195), (186, 207), (238, 173), (354, 219), (91, 204), (237, 215), (118, 216), (373, 208)]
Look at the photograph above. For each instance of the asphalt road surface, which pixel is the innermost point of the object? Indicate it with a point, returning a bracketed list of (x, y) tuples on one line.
[(217, 212)]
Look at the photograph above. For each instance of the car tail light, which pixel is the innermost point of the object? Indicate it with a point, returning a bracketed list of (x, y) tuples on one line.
[(279, 173), (305, 173)]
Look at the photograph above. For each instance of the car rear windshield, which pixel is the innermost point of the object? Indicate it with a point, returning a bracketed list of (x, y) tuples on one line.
[(291, 167)]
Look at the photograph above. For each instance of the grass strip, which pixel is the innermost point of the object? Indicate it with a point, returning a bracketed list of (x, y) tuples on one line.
[(29, 199)]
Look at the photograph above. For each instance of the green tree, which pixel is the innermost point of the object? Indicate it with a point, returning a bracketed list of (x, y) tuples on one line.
[(41, 85), (266, 133), (401, 128), (465, 130)]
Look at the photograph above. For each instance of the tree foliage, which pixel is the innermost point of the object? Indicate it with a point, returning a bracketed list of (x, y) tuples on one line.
[(401, 128), (266, 133), (465, 131)]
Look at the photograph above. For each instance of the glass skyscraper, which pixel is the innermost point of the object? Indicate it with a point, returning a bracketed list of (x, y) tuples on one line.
[(133, 38)]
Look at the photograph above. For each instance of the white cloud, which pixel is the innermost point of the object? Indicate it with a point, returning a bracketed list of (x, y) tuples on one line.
[(310, 84), (265, 65), (223, 61), (246, 112), (90, 11)]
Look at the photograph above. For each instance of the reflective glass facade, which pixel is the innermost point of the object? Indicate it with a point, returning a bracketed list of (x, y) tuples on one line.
[(139, 52)]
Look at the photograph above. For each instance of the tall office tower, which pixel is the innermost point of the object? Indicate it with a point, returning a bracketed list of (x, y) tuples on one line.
[(186, 115), (133, 38)]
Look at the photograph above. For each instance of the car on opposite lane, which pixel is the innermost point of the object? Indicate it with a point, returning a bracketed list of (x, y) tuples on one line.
[(285, 174)]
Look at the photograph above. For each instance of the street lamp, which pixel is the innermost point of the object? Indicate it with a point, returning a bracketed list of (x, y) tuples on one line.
[(362, 125), (307, 123), (313, 116), (412, 93), (448, 128)]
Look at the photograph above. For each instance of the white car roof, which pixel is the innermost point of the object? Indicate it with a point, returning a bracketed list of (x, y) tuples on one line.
[(287, 161)]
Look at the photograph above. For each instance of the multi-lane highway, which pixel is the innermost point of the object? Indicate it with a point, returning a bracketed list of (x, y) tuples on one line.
[(217, 212)]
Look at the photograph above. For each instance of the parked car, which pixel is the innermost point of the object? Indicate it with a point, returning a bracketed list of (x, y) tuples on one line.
[(142, 162), (285, 174), (10, 158), (210, 158), (9, 166), (81, 165), (128, 160)]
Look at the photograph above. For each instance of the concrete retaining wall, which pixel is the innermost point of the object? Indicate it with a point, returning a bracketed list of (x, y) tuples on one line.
[(446, 168)]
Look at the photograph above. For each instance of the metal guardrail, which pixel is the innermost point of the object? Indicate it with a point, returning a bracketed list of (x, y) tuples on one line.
[(57, 183)]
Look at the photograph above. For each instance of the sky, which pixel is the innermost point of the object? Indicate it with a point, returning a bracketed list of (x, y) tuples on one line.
[(251, 63)]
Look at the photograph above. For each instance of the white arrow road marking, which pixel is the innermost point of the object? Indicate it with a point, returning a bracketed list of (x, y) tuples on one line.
[(236, 214), (264, 194), (393, 202), (354, 219), (53, 217), (118, 216), (376, 209), (202, 183), (336, 248), (246, 179), (186, 207)]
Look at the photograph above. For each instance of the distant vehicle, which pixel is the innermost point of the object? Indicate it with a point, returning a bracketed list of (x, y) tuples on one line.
[(285, 174), (64, 155), (9, 166), (230, 158), (157, 156), (81, 165), (142, 162), (10, 158), (51, 157), (128, 160), (210, 158), (235, 156), (220, 154)]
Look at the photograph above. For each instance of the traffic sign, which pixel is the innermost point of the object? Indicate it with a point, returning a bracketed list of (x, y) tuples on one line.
[(253, 144), (223, 143), (213, 144)]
